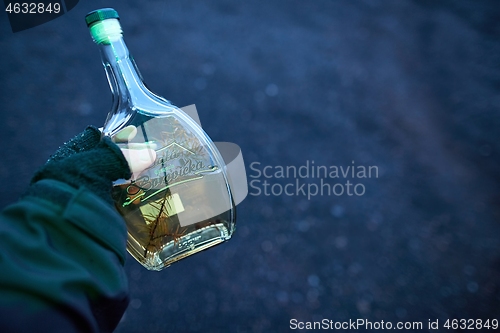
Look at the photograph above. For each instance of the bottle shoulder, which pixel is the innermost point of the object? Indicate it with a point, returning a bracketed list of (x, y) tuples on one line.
[(148, 103)]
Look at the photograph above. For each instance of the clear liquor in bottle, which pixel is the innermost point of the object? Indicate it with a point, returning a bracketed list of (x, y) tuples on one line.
[(181, 204)]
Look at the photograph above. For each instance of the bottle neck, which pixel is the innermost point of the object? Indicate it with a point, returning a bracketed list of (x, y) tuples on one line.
[(124, 80), (130, 95), (123, 76)]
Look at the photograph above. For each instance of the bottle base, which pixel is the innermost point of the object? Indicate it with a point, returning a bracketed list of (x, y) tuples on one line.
[(181, 247)]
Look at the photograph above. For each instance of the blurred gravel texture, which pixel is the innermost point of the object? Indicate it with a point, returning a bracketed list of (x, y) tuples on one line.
[(409, 86)]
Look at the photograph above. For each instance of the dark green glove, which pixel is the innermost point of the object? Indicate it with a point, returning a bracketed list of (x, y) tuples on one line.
[(88, 161)]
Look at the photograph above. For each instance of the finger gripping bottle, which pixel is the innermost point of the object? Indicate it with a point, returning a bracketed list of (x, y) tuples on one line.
[(182, 203)]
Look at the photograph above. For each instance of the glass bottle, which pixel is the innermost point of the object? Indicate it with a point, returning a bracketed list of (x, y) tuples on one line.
[(182, 203)]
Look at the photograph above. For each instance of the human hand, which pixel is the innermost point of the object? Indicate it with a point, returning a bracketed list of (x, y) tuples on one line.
[(88, 160), (94, 161)]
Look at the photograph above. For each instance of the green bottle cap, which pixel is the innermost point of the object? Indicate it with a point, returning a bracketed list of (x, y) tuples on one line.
[(101, 15), (104, 25)]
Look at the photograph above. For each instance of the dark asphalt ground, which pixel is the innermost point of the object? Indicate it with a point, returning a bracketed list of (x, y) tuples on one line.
[(411, 87)]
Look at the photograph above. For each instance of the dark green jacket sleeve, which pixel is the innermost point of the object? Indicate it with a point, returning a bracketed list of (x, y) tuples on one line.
[(61, 262)]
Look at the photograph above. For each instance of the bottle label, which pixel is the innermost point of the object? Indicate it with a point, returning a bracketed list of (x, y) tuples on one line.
[(174, 165)]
